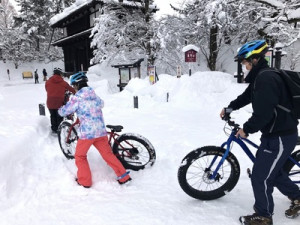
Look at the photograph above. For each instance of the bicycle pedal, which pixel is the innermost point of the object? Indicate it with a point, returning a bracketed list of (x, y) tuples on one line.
[(249, 173)]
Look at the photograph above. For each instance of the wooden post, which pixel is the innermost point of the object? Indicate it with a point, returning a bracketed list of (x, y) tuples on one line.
[(135, 102)]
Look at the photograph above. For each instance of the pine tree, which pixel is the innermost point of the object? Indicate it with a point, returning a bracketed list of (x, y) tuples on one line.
[(32, 26), (7, 12), (33, 21), (15, 46)]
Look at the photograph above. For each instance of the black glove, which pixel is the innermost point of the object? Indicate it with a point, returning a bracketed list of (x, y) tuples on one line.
[(227, 111)]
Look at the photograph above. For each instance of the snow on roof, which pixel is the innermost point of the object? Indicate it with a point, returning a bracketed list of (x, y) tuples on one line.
[(190, 47), (278, 45), (80, 3), (294, 14), (67, 11), (275, 3), (132, 3)]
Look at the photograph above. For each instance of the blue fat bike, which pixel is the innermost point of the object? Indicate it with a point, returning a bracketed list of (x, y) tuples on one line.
[(210, 172)]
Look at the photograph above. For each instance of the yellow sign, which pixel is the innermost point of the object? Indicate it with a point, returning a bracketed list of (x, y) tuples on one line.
[(151, 74), (27, 74)]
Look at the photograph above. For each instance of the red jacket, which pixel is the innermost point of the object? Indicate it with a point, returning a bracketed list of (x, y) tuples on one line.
[(56, 88)]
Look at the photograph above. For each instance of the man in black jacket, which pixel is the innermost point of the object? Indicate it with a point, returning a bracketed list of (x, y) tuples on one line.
[(266, 91)]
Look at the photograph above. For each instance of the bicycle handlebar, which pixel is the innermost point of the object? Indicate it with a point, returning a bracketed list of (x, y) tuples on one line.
[(227, 118)]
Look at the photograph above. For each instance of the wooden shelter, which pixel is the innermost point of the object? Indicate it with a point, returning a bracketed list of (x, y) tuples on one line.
[(77, 26), (77, 22), (127, 71)]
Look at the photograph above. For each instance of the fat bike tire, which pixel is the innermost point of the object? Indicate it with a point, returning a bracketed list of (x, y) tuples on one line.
[(67, 147), (134, 151), (194, 173), (292, 169)]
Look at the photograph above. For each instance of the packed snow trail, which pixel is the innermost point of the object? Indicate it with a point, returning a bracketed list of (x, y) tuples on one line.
[(37, 183)]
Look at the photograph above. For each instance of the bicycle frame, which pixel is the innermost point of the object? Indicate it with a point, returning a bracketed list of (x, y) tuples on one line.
[(111, 134), (112, 138), (241, 142)]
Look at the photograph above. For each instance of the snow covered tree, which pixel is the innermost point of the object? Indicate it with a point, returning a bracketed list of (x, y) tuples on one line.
[(278, 21), (60, 5), (33, 24), (124, 30), (211, 24), (33, 20), (7, 12), (169, 33), (15, 45)]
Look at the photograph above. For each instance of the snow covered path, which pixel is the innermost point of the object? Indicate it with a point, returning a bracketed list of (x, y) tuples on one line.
[(37, 183)]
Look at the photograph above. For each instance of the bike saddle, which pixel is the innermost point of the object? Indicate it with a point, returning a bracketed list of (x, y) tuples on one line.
[(116, 128)]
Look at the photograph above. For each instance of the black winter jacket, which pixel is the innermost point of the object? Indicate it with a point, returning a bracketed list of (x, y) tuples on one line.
[(265, 92)]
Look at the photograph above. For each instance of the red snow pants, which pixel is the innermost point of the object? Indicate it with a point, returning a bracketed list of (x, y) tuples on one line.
[(84, 175)]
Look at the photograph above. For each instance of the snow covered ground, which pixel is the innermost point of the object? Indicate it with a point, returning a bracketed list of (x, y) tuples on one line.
[(37, 183)]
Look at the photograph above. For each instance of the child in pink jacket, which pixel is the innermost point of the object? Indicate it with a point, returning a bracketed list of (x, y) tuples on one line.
[(87, 105)]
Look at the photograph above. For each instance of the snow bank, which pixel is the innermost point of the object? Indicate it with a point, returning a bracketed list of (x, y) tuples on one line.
[(37, 183), (187, 89)]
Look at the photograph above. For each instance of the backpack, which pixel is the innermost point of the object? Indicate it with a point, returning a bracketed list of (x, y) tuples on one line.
[(292, 81)]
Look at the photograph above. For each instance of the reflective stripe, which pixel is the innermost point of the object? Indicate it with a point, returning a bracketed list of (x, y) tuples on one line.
[(272, 127), (284, 108), (271, 170)]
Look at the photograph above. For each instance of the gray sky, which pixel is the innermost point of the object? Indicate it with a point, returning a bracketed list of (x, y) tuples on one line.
[(164, 6)]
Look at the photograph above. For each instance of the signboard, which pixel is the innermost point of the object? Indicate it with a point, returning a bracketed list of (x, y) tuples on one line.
[(134, 72), (269, 57), (151, 74), (190, 55), (124, 75)]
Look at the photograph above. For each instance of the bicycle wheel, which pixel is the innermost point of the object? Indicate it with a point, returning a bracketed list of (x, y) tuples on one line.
[(194, 173), (134, 151), (292, 169), (67, 146)]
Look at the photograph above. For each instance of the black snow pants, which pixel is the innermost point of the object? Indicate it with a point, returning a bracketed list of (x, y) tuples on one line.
[(268, 172), (55, 119)]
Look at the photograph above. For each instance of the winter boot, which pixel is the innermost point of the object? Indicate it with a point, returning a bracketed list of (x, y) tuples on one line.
[(255, 219), (125, 182), (294, 209), (124, 178), (76, 179)]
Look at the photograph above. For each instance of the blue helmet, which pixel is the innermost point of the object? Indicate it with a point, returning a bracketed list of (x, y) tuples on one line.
[(78, 78), (252, 48)]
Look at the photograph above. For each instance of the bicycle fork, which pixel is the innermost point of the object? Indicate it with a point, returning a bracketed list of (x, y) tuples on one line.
[(215, 175), (232, 138)]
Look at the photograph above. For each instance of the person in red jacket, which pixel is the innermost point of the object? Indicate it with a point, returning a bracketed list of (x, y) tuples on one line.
[(56, 88)]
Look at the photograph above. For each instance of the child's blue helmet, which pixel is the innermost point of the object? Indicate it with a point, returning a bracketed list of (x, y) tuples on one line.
[(252, 48), (78, 78)]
